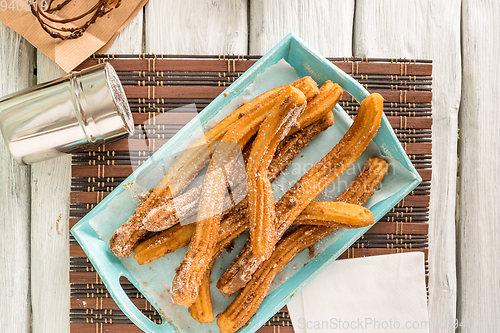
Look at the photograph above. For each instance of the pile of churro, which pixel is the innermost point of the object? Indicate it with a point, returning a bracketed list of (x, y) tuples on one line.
[(269, 132)]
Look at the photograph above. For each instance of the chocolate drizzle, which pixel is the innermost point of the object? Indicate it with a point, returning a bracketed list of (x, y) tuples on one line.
[(101, 8)]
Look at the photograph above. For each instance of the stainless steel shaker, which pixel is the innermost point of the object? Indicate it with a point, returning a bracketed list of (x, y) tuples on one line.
[(80, 110)]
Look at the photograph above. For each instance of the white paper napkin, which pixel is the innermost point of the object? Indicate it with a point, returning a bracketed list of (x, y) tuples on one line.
[(373, 294)]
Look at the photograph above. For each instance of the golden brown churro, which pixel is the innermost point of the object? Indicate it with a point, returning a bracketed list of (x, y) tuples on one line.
[(231, 228), (194, 159), (260, 206), (309, 186), (249, 299), (331, 213), (323, 103), (163, 243), (197, 259)]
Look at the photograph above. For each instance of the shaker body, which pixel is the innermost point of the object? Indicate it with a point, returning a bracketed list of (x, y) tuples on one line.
[(75, 112)]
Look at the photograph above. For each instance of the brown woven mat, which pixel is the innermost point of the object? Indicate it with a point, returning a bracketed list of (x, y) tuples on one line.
[(157, 84)]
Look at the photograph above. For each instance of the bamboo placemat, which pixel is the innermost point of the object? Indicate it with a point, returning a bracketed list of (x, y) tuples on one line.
[(156, 84)]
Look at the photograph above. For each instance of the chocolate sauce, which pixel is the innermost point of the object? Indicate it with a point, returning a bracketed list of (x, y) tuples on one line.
[(101, 8)]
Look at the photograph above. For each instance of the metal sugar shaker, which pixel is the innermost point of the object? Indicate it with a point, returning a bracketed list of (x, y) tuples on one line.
[(81, 110)]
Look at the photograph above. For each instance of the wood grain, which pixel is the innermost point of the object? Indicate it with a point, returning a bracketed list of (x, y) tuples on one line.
[(430, 30), (16, 72), (196, 27), (326, 25), (478, 230), (50, 212)]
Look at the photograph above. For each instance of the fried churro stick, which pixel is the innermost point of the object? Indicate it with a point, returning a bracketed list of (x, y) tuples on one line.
[(260, 207), (231, 228), (331, 213), (329, 95), (191, 270), (245, 305), (162, 244), (193, 160), (309, 186)]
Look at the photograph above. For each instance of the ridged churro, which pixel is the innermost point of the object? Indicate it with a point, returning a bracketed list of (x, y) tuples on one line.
[(329, 95), (231, 228), (245, 305), (163, 243), (331, 213), (314, 181), (260, 206)]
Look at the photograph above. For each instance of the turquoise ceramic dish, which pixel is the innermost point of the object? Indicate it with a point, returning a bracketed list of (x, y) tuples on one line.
[(154, 280)]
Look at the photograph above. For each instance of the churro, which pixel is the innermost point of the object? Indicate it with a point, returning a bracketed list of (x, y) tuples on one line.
[(245, 305), (230, 229), (260, 206), (309, 186), (163, 243), (331, 213), (329, 95)]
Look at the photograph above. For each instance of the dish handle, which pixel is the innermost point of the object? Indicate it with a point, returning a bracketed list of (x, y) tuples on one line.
[(133, 313)]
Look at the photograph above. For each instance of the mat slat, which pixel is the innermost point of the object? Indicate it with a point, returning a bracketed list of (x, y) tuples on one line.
[(233, 65)]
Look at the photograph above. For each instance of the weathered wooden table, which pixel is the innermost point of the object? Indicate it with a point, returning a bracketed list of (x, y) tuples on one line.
[(460, 37)]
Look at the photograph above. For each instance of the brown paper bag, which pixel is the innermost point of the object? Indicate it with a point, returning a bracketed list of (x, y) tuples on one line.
[(70, 53)]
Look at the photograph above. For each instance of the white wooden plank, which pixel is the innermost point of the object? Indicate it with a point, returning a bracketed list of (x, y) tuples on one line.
[(130, 39), (478, 225), (326, 25), (196, 27), (431, 30), (50, 212), (16, 72)]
